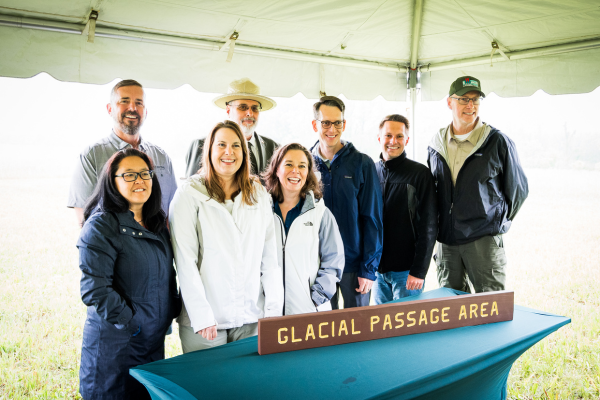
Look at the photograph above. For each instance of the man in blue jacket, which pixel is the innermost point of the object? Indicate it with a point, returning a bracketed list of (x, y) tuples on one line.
[(351, 191), (480, 188)]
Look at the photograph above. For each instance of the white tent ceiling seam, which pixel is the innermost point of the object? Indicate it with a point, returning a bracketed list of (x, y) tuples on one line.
[(139, 36), (73, 28), (514, 55)]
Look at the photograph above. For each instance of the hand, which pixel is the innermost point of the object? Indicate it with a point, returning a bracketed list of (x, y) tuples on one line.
[(364, 285), (413, 283), (209, 333)]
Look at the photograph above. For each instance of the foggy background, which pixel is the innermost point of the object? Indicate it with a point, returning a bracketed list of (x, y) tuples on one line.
[(45, 124)]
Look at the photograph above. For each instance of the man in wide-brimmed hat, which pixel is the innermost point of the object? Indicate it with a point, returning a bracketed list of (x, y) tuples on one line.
[(243, 103), (480, 188)]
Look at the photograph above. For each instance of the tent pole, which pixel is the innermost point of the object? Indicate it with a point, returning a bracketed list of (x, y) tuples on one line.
[(413, 84), (413, 75), (413, 111), (416, 33)]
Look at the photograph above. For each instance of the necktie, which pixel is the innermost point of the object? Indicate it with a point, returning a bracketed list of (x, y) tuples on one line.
[(253, 163)]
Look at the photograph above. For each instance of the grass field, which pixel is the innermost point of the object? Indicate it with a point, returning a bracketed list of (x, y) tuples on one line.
[(554, 265)]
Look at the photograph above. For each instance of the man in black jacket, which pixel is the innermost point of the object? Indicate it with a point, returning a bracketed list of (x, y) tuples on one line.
[(480, 188), (243, 103), (409, 215)]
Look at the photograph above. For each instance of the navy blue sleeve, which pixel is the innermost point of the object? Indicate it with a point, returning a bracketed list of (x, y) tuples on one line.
[(426, 224), (98, 250), (514, 182), (370, 209)]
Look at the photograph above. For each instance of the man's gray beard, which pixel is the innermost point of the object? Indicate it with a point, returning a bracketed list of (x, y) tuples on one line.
[(248, 132), (130, 129)]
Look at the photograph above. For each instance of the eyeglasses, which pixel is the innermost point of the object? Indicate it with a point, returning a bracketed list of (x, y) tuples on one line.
[(463, 101), (245, 107), (327, 124), (132, 176)]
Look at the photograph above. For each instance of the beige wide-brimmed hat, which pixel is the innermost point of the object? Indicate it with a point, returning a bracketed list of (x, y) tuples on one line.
[(244, 89)]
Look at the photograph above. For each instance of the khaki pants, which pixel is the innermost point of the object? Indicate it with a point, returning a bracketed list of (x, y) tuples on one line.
[(482, 261), (191, 341)]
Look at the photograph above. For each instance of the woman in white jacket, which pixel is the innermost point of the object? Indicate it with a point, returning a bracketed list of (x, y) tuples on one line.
[(224, 244), (310, 248)]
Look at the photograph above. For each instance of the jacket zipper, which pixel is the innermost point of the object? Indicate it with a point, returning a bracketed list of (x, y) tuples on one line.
[(283, 240), (456, 184), (283, 243)]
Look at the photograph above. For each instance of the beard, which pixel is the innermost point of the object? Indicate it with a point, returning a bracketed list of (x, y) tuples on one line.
[(130, 127), (247, 130)]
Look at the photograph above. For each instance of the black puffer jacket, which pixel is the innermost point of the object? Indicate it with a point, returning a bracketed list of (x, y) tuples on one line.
[(490, 188), (409, 216)]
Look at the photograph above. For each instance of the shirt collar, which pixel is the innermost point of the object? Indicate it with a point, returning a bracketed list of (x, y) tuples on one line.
[(121, 144), (343, 142), (253, 139), (473, 137), (297, 207)]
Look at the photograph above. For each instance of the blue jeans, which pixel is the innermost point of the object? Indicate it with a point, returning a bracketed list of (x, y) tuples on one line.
[(392, 286)]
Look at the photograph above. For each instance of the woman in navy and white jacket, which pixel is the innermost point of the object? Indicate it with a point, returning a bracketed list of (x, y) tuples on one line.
[(310, 247)]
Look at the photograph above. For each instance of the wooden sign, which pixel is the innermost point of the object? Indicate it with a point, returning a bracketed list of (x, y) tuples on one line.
[(306, 331)]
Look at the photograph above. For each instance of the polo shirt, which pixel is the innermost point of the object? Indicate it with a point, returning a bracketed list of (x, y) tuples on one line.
[(291, 215), (93, 158), (459, 150)]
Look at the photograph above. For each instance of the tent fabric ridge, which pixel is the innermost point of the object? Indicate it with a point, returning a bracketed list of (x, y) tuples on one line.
[(205, 44), (511, 23)]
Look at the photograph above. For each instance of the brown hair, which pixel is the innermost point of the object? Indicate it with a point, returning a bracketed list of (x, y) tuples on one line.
[(123, 83), (242, 178), (330, 101), (272, 181), (395, 118)]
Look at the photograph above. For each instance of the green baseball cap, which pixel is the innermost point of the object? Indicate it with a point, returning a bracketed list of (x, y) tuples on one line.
[(465, 84)]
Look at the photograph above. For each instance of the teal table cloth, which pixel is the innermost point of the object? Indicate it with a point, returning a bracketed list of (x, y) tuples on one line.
[(464, 363)]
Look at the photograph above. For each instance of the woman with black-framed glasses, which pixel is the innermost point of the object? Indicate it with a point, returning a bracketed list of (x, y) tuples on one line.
[(128, 280)]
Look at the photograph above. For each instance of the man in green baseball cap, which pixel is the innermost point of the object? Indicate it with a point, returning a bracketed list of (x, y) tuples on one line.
[(480, 188), (464, 85)]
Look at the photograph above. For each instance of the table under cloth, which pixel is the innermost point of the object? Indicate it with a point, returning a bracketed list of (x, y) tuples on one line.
[(464, 363)]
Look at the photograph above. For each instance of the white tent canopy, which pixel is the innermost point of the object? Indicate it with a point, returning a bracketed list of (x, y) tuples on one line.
[(359, 48)]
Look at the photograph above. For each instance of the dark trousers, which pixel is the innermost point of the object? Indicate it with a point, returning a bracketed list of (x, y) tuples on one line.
[(482, 261), (347, 289)]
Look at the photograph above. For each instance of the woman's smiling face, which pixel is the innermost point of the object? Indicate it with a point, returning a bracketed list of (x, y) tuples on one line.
[(136, 192), (292, 172), (226, 153)]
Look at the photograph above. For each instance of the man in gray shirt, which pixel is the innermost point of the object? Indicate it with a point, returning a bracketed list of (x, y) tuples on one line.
[(128, 111)]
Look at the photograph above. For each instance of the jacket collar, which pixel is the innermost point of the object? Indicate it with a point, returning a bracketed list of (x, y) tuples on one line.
[(394, 162), (439, 141), (126, 219), (309, 202), (198, 190), (348, 147)]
